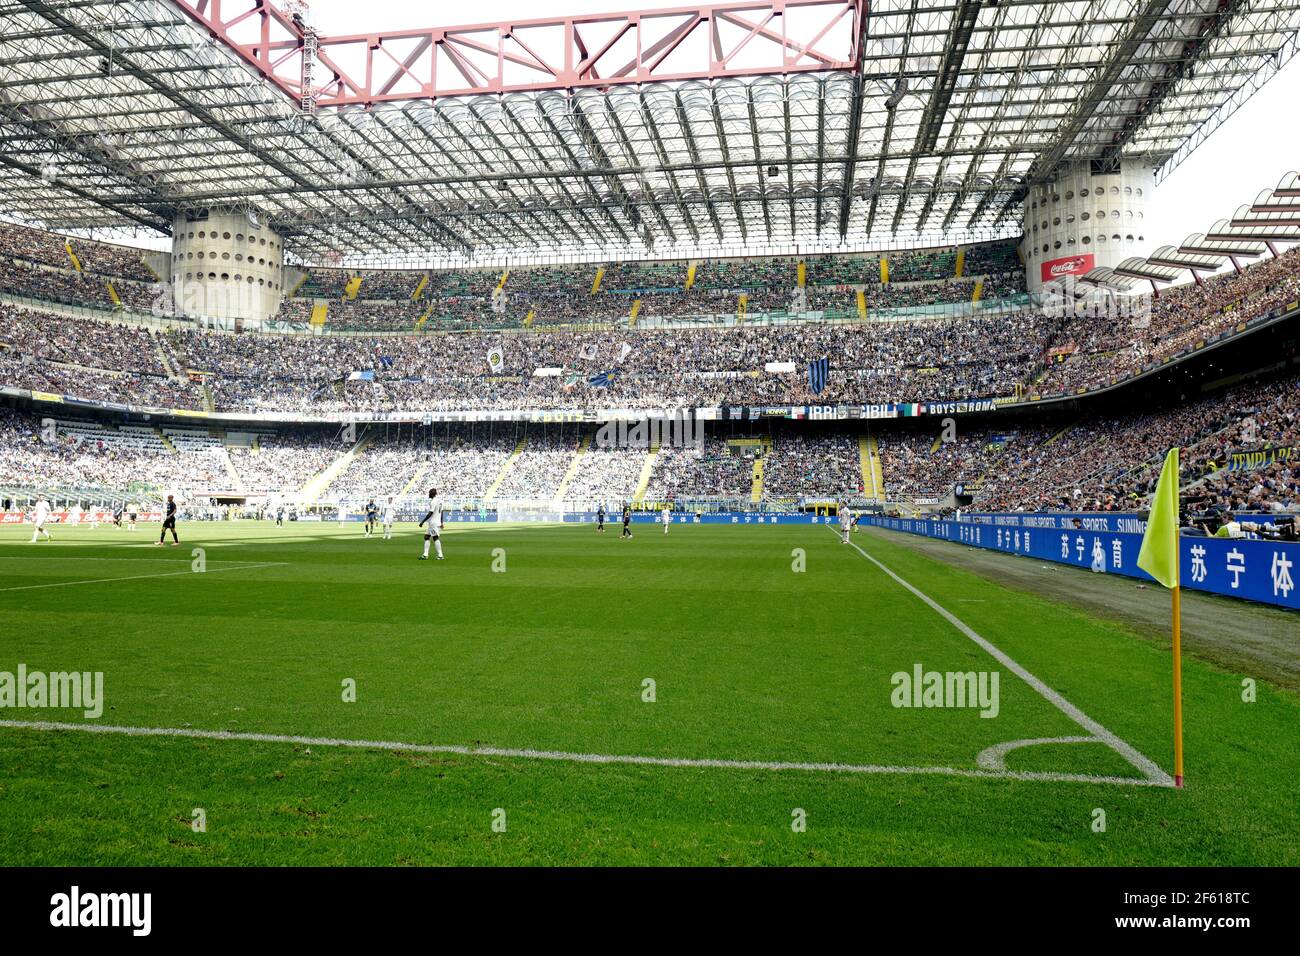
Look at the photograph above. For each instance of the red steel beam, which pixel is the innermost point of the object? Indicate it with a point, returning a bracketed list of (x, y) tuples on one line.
[(595, 50)]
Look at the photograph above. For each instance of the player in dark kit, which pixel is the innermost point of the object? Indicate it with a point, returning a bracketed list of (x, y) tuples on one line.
[(372, 517), (169, 523), (117, 515), (627, 522), (600, 519)]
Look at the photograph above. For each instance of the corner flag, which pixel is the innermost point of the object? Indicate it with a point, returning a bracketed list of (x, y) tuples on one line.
[(1159, 558), (1159, 554)]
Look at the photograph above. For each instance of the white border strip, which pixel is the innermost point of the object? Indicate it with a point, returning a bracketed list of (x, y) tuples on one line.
[(567, 757), (1149, 768)]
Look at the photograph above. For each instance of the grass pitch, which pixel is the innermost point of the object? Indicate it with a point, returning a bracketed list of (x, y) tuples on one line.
[(524, 694)]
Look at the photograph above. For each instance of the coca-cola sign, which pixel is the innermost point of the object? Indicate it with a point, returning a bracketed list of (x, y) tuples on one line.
[(1069, 266)]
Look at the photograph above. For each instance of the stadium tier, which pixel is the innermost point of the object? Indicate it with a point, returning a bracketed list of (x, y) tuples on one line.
[(1097, 463), (1023, 354), (609, 293)]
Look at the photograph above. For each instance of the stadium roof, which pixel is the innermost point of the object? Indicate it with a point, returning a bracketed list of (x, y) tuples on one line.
[(750, 125)]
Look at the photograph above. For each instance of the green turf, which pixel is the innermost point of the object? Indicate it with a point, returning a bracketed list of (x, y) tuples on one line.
[(751, 661)]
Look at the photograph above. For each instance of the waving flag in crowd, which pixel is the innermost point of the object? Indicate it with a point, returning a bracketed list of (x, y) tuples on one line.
[(819, 371)]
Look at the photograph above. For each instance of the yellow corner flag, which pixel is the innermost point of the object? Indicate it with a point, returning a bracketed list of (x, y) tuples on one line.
[(1159, 554), (1159, 558)]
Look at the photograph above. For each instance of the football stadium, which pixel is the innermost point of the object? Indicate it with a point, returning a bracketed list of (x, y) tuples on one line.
[(535, 436)]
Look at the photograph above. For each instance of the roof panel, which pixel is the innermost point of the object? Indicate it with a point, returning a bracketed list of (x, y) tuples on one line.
[(124, 132)]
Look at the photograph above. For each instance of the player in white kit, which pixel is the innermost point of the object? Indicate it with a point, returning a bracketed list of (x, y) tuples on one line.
[(668, 517), (846, 522), (390, 516), (434, 531), (39, 519)]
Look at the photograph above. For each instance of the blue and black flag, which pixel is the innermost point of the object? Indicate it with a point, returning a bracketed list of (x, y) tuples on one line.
[(819, 372)]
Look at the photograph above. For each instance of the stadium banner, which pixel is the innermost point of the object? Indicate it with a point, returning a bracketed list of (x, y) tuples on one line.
[(413, 514), (960, 408), (613, 516), (101, 515), (1128, 521), (561, 415), (1067, 266), (1261, 457), (1254, 570)]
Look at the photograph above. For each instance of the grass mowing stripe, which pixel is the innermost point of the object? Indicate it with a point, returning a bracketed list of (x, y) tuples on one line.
[(137, 577), (557, 755), (1150, 769), (82, 557)]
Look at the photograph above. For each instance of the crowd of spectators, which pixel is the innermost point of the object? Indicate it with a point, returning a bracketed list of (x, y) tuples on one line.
[(569, 294), (716, 469), (121, 347), (67, 287), (1104, 347), (1097, 464), (871, 362), (95, 458), (283, 462), (820, 464), (1112, 463), (923, 266), (461, 461), (606, 475), (539, 468), (103, 259), (937, 359)]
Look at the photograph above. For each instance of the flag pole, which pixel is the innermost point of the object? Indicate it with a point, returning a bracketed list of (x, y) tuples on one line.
[(1178, 687), (1178, 643)]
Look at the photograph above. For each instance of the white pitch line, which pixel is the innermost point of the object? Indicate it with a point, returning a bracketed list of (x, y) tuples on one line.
[(995, 757), (137, 577), (567, 757), (1150, 769), (63, 556)]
